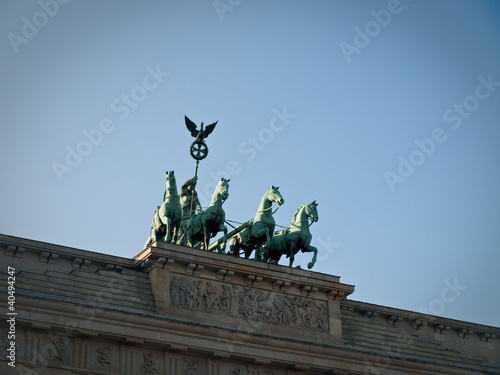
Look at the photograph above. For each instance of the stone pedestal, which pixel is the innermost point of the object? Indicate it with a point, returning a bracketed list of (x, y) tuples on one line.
[(244, 296)]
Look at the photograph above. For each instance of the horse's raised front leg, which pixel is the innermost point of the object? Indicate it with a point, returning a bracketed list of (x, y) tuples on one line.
[(311, 249)]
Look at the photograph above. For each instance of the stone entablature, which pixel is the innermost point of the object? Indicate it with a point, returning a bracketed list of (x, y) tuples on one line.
[(87, 313), (421, 322), (415, 336), (241, 293)]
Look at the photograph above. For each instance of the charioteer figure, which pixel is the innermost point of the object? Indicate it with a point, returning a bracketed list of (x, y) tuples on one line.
[(190, 205)]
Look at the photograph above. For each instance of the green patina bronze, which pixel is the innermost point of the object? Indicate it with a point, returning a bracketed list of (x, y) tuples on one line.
[(198, 148), (180, 218), (298, 237), (202, 227), (189, 205), (260, 231), (167, 217), (156, 233)]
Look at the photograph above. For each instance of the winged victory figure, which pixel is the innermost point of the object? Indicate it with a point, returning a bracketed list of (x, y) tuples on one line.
[(201, 133)]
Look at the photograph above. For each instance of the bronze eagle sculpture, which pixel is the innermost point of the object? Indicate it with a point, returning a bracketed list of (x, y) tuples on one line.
[(202, 133)]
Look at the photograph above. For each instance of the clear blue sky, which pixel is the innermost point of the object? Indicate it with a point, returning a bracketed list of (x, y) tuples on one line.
[(385, 112)]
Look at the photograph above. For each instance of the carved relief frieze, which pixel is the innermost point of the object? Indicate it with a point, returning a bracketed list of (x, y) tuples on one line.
[(104, 358), (48, 348), (248, 303), (194, 366), (56, 349), (150, 366)]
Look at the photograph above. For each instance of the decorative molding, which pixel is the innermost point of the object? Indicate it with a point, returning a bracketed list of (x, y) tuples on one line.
[(277, 284), (463, 332), (393, 319), (220, 274), (370, 314), (44, 256), (193, 268), (222, 355), (486, 337), (418, 324), (41, 327), (190, 267), (113, 267), (15, 251), (337, 296), (261, 361), (299, 367), (11, 250), (252, 280), (440, 328), (81, 263), (134, 341), (177, 348), (307, 290), (87, 333)]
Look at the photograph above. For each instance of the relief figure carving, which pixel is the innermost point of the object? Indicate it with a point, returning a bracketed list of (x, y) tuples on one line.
[(103, 360), (150, 366), (192, 367), (248, 303)]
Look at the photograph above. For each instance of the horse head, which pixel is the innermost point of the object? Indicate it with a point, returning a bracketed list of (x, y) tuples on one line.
[(221, 192), (170, 185), (274, 195), (309, 211), (223, 188), (312, 211)]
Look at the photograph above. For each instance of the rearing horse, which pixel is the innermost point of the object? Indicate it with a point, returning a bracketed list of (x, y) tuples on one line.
[(207, 224), (167, 217), (170, 211), (261, 230), (297, 237)]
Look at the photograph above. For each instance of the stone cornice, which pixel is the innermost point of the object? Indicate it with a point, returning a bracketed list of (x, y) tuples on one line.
[(254, 272), (423, 321), (57, 254)]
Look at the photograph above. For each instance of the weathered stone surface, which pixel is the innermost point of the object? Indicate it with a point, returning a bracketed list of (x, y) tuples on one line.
[(177, 310)]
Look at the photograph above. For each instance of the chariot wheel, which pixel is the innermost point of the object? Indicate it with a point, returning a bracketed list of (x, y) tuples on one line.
[(198, 150), (249, 312)]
